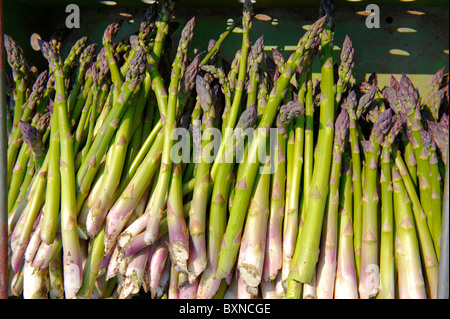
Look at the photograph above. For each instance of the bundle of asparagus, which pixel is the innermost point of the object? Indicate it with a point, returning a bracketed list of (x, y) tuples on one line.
[(129, 175)]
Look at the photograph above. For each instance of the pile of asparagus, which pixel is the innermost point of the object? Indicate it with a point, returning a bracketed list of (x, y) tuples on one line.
[(107, 200)]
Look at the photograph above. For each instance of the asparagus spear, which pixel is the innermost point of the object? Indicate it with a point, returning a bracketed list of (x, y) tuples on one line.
[(436, 200), (197, 214), (242, 74), (326, 267), (216, 46), (108, 36), (251, 254), (16, 60), (157, 201), (307, 257), (370, 238), (274, 251), (293, 178), (74, 53), (410, 278), (436, 94), (52, 193), (254, 60), (85, 60), (439, 134), (387, 267), (71, 247), (115, 162), (242, 196), (346, 286), (219, 199), (409, 100), (428, 252), (345, 69), (86, 172)]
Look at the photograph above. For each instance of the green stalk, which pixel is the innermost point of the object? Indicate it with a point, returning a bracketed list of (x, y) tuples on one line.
[(254, 59), (436, 200), (92, 266), (408, 97), (218, 43), (251, 254), (411, 162), (294, 289), (115, 161), (303, 267), (178, 232), (88, 169), (326, 267), (129, 198), (31, 211), (387, 248), (368, 288), (233, 112), (241, 199), (274, 242), (294, 175), (219, 202), (71, 246), (86, 58), (410, 278), (50, 218), (428, 252), (197, 213), (350, 103), (346, 286), (81, 98), (19, 171), (158, 200)]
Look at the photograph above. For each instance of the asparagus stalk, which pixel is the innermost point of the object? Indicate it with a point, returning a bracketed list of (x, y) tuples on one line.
[(216, 47), (230, 247), (86, 172), (274, 251), (345, 69), (197, 214), (71, 247), (92, 266), (85, 60), (219, 202), (387, 266), (307, 257), (410, 278), (409, 100), (439, 134), (251, 254), (428, 252), (115, 163), (254, 60), (178, 232), (370, 239), (23, 229), (157, 201), (16, 60), (232, 116), (293, 178), (74, 53), (326, 267), (129, 198), (52, 194), (108, 36), (346, 286), (436, 200)]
